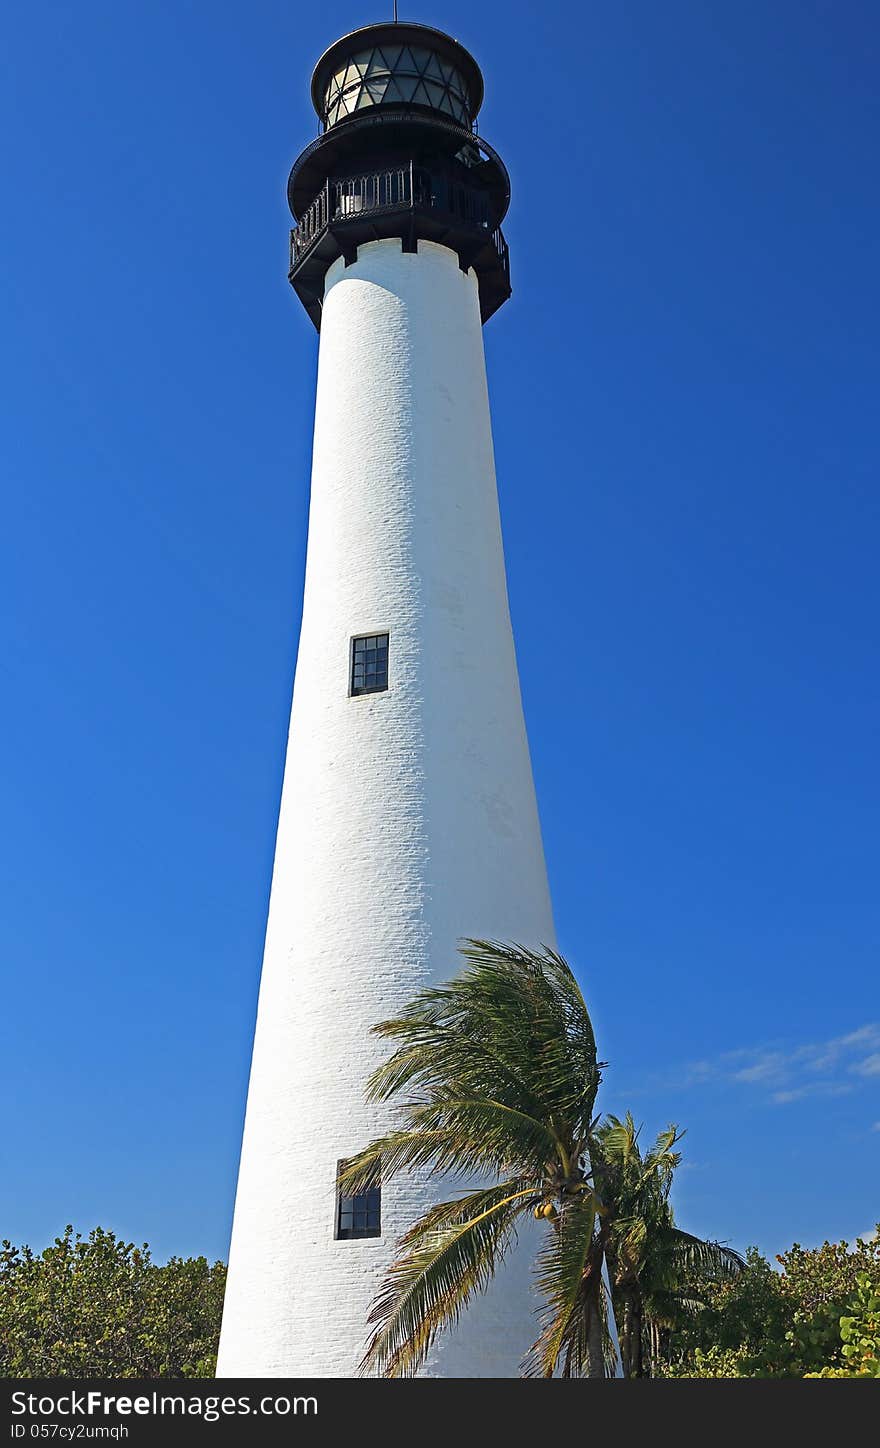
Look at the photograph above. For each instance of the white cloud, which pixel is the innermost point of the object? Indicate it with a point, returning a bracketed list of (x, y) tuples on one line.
[(869, 1067), (766, 1068), (813, 1088), (865, 1035), (790, 1073)]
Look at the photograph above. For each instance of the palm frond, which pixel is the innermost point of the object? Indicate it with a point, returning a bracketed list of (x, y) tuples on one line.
[(692, 1254), (450, 1255), (434, 1054), (629, 1236), (619, 1139), (503, 1133), (541, 988), (408, 1149), (453, 1137), (661, 1162), (668, 1307), (512, 1027), (562, 1269)]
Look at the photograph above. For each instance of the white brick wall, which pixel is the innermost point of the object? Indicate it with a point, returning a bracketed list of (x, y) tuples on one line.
[(408, 818)]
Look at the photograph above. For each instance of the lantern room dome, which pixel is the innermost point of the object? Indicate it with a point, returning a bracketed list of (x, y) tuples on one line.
[(398, 158), (397, 64)]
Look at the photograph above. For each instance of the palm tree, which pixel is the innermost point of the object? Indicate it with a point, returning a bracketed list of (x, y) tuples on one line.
[(657, 1270), (498, 1073)]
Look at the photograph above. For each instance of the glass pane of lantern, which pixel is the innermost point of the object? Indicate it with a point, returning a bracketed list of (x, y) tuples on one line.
[(378, 64)]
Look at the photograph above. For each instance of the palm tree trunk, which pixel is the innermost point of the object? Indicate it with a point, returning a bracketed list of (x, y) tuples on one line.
[(650, 1354), (637, 1361), (595, 1349), (655, 1344), (626, 1328), (631, 1335)]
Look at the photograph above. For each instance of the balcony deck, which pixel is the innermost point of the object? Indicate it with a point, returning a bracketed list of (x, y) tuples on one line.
[(409, 201)]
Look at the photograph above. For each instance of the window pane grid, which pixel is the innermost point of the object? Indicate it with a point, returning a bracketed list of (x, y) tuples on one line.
[(359, 1215), (369, 663)]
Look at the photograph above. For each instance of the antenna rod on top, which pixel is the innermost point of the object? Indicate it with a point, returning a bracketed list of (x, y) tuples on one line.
[(395, 12)]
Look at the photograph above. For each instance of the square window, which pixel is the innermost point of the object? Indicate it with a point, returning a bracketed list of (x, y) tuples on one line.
[(369, 664), (360, 1215)]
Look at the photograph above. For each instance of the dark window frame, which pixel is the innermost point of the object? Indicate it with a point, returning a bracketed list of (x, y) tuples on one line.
[(357, 1217), (368, 664)]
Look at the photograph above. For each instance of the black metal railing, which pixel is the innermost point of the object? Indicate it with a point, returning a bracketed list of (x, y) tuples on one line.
[(503, 253), (403, 188)]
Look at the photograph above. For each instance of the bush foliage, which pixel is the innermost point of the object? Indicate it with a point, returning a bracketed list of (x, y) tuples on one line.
[(100, 1307), (97, 1306), (818, 1316)]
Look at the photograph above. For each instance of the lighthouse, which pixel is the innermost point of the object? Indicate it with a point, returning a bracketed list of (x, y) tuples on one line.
[(408, 817)]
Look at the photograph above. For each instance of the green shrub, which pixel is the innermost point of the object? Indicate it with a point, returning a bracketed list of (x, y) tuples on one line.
[(859, 1334), (100, 1307)]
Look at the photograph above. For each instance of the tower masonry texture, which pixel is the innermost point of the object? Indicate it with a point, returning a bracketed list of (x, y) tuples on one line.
[(408, 817)]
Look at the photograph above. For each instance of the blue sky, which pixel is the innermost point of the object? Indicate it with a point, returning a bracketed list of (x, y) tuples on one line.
[(685, 410)]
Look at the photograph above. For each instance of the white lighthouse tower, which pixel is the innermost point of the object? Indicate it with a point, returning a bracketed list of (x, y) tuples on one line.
[(408, 816)]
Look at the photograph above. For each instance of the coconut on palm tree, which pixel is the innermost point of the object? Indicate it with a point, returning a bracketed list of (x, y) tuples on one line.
[(495, 1075)]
